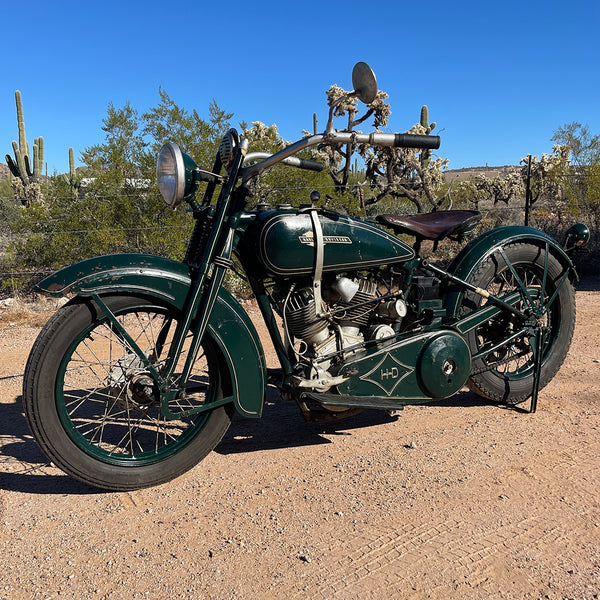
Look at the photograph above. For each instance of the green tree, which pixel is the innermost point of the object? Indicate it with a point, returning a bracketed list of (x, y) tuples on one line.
[(118, 158), (196, 136), (6, 189), (592, 183), (584, 147), (119, 197), (280, 183), (117, 207), (581, 181)]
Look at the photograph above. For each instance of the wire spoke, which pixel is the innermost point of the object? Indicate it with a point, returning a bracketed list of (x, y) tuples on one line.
[(516, 357), (108, 396)]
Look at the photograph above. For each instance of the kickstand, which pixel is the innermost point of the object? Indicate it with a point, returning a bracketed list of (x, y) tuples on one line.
[(538, 345)]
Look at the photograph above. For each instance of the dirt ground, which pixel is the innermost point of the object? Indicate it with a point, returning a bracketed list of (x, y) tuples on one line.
[(457, 499)]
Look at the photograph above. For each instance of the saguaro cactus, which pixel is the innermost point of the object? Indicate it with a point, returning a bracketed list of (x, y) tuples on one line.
[(26, 175), (425, 155), (72, 179)]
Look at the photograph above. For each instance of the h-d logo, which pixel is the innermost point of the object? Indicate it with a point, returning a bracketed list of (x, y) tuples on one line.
[(391, 373), (388, 373)]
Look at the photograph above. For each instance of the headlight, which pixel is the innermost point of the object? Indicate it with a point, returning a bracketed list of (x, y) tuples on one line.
[(170, 174), (175, 174)]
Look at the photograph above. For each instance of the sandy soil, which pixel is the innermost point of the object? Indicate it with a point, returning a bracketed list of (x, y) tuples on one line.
[(456, 499)]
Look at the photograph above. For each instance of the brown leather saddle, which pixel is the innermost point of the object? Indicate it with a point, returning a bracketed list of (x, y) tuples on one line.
[(454, 224)]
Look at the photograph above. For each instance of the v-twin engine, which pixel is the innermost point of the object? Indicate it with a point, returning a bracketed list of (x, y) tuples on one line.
[(349, 316), (304, 321)]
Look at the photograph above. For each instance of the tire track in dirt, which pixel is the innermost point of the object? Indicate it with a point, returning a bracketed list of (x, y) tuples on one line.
[(401, 560), (577, 469), (3, 534), (459, 550)]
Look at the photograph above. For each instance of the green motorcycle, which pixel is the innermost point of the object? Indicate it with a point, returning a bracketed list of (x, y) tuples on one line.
[(137, 377)]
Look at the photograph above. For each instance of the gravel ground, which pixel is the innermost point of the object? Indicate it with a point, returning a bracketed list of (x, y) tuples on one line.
[(457, 499)]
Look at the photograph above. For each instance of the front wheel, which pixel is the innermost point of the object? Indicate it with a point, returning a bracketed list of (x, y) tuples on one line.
[(94, 409), (506, 374)]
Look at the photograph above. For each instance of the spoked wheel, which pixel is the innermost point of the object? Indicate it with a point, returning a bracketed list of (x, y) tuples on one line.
[(506, 374), (94, 407)]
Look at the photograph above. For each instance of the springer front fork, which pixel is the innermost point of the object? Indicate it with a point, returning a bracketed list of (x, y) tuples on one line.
[(206, 283)]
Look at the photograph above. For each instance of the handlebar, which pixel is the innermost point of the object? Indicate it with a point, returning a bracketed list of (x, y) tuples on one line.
[(408, 140), (291, 161), (395, 140)]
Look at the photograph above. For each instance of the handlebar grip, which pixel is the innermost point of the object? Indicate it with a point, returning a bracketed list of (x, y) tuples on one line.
[(306, 163), (408, 140)]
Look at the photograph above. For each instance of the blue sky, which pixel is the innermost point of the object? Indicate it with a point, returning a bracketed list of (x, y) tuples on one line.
[(499, 77)]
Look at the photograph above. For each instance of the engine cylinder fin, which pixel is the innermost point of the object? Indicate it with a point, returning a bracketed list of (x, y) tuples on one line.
[(356, 311), (301, 317)]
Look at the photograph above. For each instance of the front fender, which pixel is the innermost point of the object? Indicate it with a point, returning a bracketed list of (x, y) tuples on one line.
[(170, 281), (468, 260)]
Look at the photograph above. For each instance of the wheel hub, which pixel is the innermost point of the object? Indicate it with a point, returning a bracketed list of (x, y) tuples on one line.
[(131, 385), (142, 392)]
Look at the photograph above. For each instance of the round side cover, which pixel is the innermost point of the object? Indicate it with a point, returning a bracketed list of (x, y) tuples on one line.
[(444, 365)]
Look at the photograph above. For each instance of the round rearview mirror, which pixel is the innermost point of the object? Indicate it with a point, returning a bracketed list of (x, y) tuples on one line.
[(364, 82)]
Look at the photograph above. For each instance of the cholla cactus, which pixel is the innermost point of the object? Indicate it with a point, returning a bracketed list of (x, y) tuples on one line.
[(263, 138), (338, 161), (26, 183), (547, 173), (396, 172), (500, 188)]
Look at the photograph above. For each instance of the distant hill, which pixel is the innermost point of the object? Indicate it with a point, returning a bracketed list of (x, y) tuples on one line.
[(470, 172)]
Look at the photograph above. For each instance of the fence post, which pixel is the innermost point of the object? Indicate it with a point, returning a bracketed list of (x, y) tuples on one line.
[(528, 191)]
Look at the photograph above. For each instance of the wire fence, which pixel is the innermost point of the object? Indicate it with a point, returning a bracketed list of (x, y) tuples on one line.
[(495, 214)]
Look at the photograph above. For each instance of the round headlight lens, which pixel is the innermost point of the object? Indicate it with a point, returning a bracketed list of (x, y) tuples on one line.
[(170, 174)]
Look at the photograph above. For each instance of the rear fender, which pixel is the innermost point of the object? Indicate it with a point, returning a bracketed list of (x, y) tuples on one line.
[(470, 258), (167, 280)]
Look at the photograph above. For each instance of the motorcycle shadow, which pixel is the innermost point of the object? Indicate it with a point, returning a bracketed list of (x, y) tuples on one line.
[(589, 283), (283, 426), (24, 468), (23, 465)]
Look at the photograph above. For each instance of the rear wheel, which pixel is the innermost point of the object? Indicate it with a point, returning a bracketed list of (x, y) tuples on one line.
[(506, 374), (94, 408)]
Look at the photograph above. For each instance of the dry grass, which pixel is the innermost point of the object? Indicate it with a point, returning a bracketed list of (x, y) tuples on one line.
[(31, 313)]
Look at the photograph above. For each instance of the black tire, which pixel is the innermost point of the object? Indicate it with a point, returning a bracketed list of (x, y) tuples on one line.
[(96, 413), (507, 374)]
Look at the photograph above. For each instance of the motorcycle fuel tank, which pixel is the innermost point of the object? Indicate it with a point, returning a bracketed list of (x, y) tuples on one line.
[(286, 243)]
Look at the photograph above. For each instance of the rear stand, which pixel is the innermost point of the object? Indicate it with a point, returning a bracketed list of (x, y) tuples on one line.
[(537, 347)]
